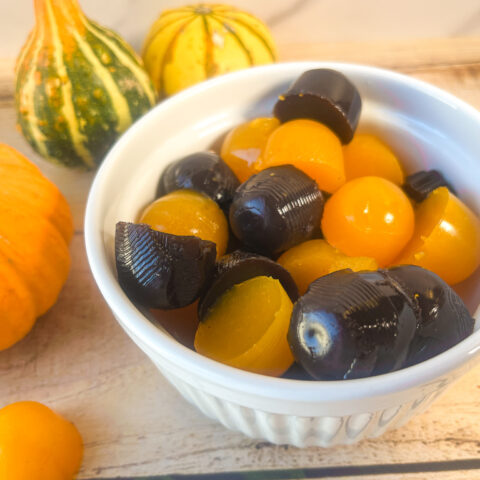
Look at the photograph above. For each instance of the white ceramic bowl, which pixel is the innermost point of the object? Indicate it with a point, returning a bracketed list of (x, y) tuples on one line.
[(426, 126)]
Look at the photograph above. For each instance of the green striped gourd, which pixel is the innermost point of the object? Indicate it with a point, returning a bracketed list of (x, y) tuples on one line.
[(78, 86)]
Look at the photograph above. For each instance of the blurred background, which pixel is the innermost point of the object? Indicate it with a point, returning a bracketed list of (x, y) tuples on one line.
[(291, 21)]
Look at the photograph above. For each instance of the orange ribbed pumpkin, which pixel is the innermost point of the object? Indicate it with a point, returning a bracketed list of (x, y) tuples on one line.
[(36, 227)]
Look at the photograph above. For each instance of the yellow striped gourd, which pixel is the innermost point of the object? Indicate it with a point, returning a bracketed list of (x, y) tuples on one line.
[(193, 43), (78, 86)]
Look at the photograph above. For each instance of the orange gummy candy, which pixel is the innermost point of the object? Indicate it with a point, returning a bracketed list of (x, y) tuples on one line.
[(366, 155), (247, 327), (446, 239), (243, 145), (369, 217), (309, 146), (186, 212)]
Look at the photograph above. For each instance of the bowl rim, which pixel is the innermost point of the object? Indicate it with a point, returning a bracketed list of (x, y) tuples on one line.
[(205, 368)]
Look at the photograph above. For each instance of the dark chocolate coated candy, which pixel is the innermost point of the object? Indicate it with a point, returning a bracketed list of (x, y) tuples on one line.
[(323, 95), (420, 184), (159, 270), (443, 319), (276, 209), (351, 325), (238, 267), (297, 372), (205, 172)]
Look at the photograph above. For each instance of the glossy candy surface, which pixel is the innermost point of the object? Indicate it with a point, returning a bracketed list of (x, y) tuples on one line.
[(204, 172), (276, 209), (311, 147), (369, 216), (238, 267), (446, 239), (366, 155), (443, 318), (351, 325), (353, 319), (159, 270), (247, 327), (420, 185), (188, 213), (243, 144), (315, 258), (180, 323), (326, 96)]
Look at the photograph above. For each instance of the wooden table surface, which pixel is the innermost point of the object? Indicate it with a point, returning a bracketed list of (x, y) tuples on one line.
[(79, 361)]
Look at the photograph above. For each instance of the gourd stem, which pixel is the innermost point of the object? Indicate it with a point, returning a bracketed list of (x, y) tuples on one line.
[(41, 8)]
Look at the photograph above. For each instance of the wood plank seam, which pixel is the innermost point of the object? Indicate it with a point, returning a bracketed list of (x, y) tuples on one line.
[(332, 472)]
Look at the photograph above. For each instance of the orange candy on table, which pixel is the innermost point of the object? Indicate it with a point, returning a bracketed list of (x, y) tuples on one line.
[(186, 212), (37, 444), (315, 258), (446, 239), (371, 217), (311, 147), (247, 327), (367, 155), (244, 143)]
